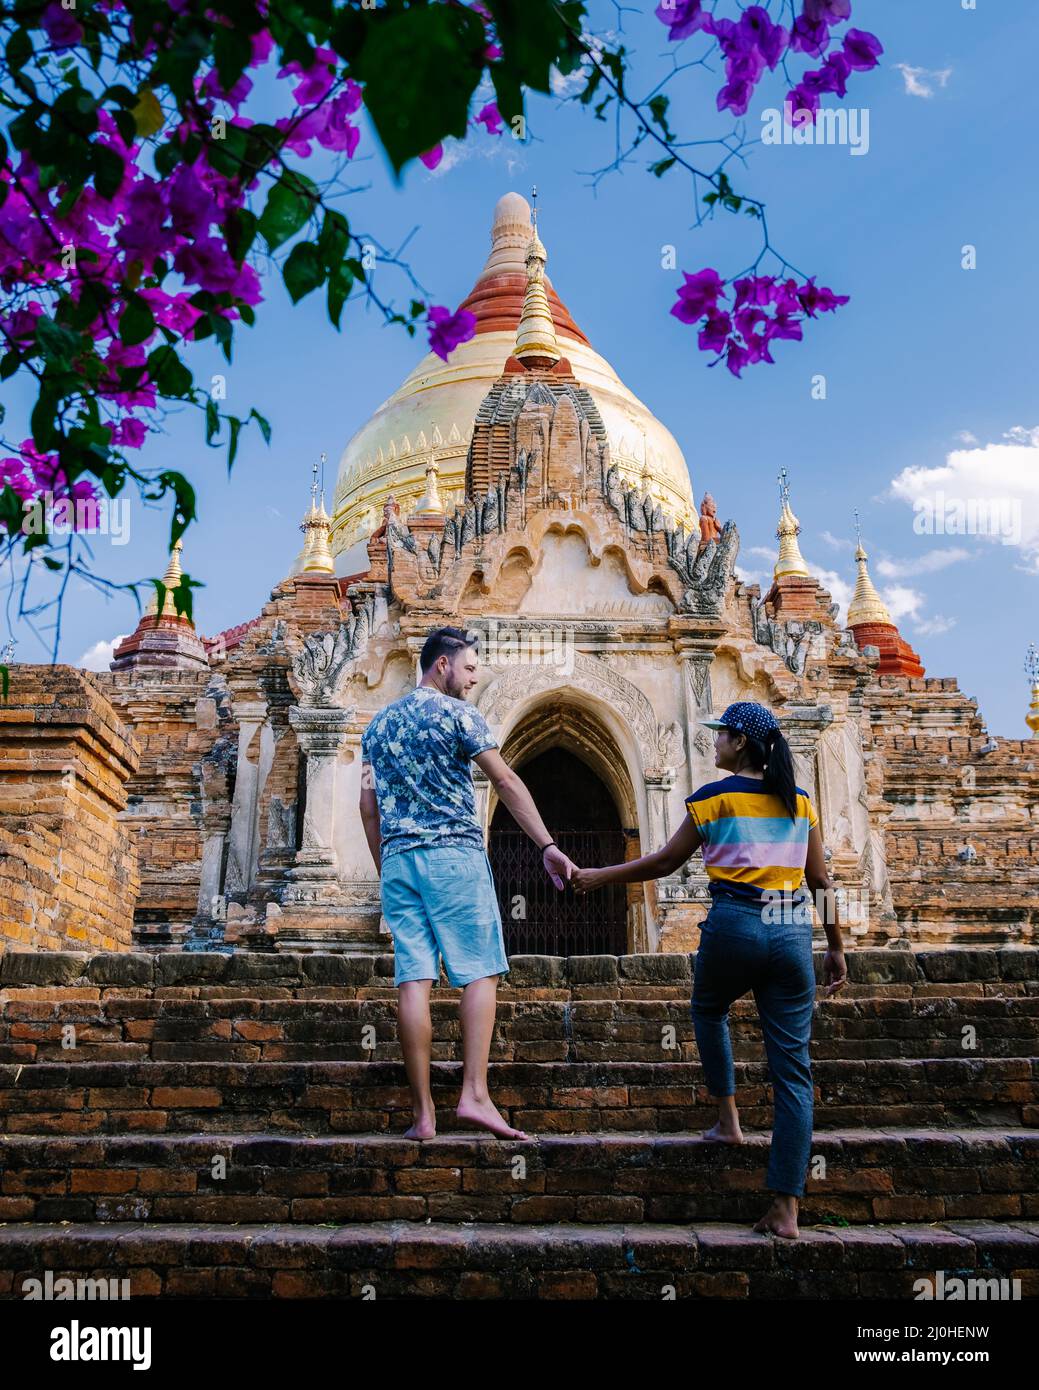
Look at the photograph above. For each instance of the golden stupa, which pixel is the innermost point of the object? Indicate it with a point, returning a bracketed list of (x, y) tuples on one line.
[(790, 559), (866, 604), (429, 418)]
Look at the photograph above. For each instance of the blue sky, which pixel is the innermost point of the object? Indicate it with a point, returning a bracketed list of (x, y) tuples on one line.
[(930, 369)]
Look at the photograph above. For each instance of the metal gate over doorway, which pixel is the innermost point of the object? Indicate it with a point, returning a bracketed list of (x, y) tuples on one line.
[(582, 818), (554, 923)]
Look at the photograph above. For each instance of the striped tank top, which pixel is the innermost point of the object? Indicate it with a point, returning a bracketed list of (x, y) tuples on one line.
[(750, 844)]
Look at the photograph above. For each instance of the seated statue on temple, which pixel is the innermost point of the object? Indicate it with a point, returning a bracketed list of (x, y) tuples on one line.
[(710, 530)]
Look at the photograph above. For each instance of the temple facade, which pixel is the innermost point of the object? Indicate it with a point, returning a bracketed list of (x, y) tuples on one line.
[(522, 491)]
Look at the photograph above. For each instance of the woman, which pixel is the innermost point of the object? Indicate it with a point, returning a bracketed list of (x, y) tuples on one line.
[(760, 837)]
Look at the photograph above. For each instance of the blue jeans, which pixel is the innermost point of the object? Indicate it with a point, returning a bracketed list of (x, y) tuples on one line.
[(739, 951)]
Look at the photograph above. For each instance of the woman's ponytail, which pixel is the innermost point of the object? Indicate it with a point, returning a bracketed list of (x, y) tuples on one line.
[(779, 771)]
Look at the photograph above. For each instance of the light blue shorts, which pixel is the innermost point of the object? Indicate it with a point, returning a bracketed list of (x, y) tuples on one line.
[(441, 902)]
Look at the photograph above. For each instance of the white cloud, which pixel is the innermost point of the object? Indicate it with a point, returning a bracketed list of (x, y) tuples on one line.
[(903, 602), (996, 484), (928, 563), (965, 437), (837, 542), (99, 656), (936, 626), (920, 82)]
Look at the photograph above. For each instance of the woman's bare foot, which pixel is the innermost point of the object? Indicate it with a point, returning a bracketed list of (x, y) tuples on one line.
[(780, 1219), (485, 1114), (425, 1127), (723, 1133)]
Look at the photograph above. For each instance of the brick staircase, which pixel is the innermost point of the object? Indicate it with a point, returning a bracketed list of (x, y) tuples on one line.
[(228, 1125)]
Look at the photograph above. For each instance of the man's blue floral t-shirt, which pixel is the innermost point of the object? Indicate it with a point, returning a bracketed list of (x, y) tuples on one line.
[(420, 748)]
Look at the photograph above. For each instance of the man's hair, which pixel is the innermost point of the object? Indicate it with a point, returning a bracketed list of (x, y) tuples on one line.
[(445, 642)]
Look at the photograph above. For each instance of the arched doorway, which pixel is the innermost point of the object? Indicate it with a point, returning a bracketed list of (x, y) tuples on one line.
[(582, 816)]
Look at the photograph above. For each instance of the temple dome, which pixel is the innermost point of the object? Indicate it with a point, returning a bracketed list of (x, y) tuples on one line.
[(430, 416)]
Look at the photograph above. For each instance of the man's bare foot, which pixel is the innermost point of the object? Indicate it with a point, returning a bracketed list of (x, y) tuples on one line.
[(724, 1134), (780, 1219), (425, 1127), (485, 1114)]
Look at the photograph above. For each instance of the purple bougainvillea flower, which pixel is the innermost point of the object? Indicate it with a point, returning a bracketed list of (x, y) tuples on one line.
[(809, 36), (63, 28), (316, 79), (816, 298), (192, 206), (783, 326), (490, 118), (801, 106), (862, 49), (698, 296), (827, 11), (447, 330), (142, 234), (431, 158), (831, 77), (682, 17), (130, 433), (758, 31), (715, 332)]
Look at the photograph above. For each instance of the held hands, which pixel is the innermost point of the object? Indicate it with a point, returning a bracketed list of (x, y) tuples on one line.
[(835, 972), (585, 880), (559, 868)]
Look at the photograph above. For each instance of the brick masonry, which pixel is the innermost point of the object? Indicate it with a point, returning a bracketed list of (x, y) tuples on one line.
[(68, 865)]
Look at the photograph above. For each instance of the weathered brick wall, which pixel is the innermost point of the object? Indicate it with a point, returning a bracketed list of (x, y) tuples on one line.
[(68, 864), (963, 836), (177, 718)]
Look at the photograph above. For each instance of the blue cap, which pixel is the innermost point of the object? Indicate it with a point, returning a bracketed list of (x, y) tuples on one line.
[(745, 717)]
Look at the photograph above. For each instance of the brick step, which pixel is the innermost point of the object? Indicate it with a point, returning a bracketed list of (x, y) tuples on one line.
[(857, 1176), (397, 1259), (620, 1030), (359, 1097), (963, 970)]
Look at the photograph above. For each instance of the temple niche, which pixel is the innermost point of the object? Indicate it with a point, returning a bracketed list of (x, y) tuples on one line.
[(522, 490)]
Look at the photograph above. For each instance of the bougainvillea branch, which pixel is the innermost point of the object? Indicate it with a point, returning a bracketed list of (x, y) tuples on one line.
[(140, 198)]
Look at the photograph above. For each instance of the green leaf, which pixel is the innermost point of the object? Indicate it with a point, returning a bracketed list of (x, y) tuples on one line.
[(658, 110), (662, 166), (232, 51), (108, 170), (234, 426), (51, 563), (212, 420), (18, 50), (290, 204), (334, 239), (136, 323), (9, 364), (420, 68), (263, 423), (239, 232), (169, 373), (303, 271), (340, 282)]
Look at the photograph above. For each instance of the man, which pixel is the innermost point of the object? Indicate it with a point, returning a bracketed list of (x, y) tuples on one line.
[(418, 807)]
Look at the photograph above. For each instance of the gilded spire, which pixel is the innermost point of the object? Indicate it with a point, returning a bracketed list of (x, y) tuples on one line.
[(1032, 672), (866, 604), (171, 579), (316, 555), (790, 561), (536, 333)]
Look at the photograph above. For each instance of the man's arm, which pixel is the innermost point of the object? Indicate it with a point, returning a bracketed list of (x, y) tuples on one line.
[(369, 808), (513, 792)]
